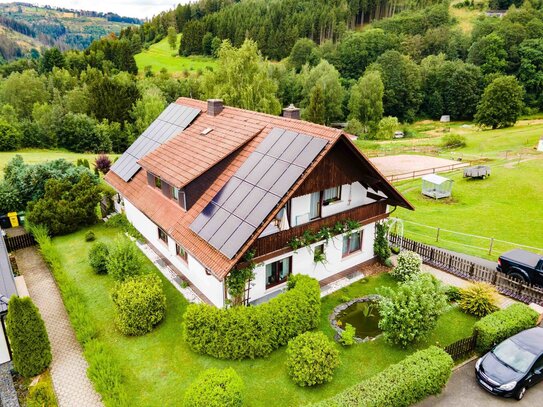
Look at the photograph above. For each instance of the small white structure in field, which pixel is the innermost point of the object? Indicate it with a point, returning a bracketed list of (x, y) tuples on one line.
[(436, 186), (445, 118), (540, 146)]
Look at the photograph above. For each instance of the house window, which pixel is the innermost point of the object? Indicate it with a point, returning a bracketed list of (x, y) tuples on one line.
[(318, 253), (162, 235), (158, 182), (315, 205), (175, 193), (278, 272), (352, 243), (181, 252), (208, 271), (331, 195)]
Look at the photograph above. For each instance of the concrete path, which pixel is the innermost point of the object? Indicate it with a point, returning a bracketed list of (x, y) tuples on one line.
[(463, 390), (69, 367)]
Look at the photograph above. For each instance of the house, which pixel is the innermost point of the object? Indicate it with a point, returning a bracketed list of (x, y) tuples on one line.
[(206, 184), (8, 287)]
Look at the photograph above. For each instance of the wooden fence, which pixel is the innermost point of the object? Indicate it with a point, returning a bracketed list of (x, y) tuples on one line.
[(19, 242), (469, 270), (462, 348)]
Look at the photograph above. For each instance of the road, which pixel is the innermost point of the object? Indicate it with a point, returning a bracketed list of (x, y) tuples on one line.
[(463, 391)]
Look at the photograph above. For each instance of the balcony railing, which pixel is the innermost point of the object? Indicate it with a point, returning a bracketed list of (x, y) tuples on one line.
[(279, 240)]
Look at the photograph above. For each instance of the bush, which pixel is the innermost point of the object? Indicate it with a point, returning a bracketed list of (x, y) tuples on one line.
[(104, 370), (453, 141), (411, 311), (120, 221), (98, 257), (453, 293), (124, 260), (10, 136), (89, 236), (479, 299), (413, 379), (251, 332), (311, 359), (102, 164), (409, 264), (381, 247), (215, 388), (28, 338), (41, 395), (140, 304), (500, 325), (348, 335)]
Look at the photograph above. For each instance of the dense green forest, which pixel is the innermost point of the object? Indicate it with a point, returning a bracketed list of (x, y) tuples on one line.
[(418, 63)]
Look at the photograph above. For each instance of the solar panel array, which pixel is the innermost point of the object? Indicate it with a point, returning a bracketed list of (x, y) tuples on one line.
[(254, 190), (172, 121)]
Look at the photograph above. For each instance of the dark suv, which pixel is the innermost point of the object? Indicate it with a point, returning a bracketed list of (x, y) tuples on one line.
[(522, 265)]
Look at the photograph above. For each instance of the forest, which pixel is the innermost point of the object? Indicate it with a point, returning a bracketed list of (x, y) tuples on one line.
[(376, 78)]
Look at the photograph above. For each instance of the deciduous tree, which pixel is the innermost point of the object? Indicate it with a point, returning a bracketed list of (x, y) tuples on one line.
[(501, 104)]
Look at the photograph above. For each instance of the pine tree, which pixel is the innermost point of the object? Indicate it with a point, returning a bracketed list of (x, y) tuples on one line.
[(28, 337), (315, 110)]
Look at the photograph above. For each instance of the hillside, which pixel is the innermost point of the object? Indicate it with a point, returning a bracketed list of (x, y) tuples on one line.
[(24, 27)]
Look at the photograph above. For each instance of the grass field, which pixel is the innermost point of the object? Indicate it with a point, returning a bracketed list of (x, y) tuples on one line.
[(159, 366), (160, 55), (34, 156)]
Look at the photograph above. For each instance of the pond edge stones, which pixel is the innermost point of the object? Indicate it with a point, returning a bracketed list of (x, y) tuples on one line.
[(342, 307)]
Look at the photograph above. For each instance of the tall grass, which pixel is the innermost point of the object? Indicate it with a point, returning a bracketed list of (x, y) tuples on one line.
[(104, 370)]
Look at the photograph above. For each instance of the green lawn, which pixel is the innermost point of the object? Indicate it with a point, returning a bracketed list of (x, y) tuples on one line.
[(34, 156), (160, 55), (159, 366)]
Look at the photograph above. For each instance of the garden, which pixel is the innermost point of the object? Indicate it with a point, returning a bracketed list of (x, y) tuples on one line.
[(157, 367)]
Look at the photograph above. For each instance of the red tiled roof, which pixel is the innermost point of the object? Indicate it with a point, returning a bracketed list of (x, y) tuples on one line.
[(185, 157)]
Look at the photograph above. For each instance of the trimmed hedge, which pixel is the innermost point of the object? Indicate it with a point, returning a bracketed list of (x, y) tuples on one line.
[(215, 388), (500, 325), (104, 371), (140, 304), (28, 338), (419, 375), (252, 332)]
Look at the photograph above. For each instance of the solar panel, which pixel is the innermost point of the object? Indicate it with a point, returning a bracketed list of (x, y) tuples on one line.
[(255, 189), (172, 121)]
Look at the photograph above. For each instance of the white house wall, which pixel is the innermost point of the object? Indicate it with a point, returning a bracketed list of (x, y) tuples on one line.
[(192, 269), (302, 262)]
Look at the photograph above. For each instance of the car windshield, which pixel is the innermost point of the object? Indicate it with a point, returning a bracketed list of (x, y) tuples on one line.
[(509, 353)]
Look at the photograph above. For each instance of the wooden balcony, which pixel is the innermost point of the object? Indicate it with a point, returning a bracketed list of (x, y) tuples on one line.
[(364, 214)]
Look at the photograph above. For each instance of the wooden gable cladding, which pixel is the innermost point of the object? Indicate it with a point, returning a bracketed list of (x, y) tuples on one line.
[(340, 166)]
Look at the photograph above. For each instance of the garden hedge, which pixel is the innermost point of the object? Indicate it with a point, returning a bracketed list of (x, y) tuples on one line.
[(252, 332), (215, 388), (419, 375), (500, 325)]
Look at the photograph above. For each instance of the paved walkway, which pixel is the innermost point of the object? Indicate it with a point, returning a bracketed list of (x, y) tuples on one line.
[(69, 367)]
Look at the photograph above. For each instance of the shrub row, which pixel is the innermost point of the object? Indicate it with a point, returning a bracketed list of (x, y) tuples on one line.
[(419, 375), (500, 325), (252, 332), (104, 371)]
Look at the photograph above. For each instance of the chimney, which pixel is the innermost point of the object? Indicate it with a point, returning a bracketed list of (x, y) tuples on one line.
[(291, 112), (214, 106)]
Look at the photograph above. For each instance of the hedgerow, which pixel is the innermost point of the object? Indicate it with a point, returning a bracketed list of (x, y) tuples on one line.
[(252, 332), (500, 325), (104, 370), (419, 375)]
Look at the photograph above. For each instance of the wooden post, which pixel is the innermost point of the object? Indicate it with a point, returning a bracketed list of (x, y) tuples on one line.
[(437, 234), (491, 244)]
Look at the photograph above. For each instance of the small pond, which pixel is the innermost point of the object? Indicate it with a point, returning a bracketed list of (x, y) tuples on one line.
[(362, 313)]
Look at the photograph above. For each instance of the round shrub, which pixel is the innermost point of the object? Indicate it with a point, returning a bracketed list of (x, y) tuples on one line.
[(41, 395), (215, 388), (409, 264), (89, 236), (28, 338), (453, 293), (311, 359), (124, 260), (453, 141), (479, 299), (98, 257), (140, 304)]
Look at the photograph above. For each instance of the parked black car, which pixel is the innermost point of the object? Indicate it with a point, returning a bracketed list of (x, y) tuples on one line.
[(523, 265), (513, 366)]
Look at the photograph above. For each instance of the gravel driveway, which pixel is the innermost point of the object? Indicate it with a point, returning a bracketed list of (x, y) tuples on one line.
[(463, 391)]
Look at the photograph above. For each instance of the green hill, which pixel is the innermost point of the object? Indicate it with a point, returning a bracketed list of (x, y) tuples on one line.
[(160, 55)]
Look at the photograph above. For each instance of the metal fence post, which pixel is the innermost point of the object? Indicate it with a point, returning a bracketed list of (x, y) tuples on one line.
[(491, 244), (437, 235)]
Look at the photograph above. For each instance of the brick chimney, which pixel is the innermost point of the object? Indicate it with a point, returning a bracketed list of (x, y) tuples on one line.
[(291, 112), (214, 106)]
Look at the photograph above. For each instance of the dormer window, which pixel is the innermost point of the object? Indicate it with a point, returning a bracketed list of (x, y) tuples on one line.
[(175, 194), (158, 182)]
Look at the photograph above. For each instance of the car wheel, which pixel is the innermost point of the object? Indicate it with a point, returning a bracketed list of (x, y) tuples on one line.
[(518, 277), (520, 393)]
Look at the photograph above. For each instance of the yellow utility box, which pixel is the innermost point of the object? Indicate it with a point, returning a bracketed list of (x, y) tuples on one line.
[(13, 219)]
